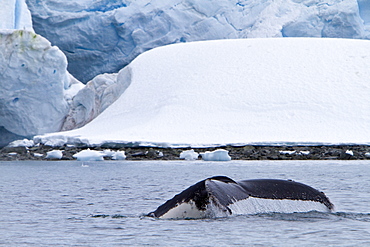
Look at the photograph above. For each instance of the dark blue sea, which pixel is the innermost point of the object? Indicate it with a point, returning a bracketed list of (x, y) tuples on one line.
[(72, 203)]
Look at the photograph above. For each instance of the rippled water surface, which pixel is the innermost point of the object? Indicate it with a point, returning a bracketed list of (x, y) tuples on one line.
[(102, 204)]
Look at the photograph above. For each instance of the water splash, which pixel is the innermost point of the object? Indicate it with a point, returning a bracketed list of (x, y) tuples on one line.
[(258, 205)]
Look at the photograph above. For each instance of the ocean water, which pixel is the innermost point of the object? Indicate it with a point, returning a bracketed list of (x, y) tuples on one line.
[(102, 204)]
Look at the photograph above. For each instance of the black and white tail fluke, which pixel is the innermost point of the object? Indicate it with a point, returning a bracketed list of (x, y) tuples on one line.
[(221, 196)]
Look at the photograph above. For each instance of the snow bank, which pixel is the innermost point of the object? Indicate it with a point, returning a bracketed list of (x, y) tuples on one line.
[(284, 90), (105, 35), (217, 155), (22, 143)]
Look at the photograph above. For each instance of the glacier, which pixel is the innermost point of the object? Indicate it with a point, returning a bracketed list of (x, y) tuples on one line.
[(36, 89), (104, 36), (99, 38), (34, 84), (241, 91), (14, 14)]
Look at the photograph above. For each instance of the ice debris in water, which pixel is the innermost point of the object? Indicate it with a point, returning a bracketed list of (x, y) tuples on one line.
[(116, 155), (291, 152), (189, 155), (217, 155), (349, 152), (54, 154), (287, 152), (119, 155), (89, 155), (92, 155)]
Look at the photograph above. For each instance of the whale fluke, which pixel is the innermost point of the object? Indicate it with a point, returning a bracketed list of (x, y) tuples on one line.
[(223, 192)]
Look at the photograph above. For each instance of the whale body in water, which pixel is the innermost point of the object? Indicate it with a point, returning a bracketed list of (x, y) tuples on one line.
[(222, 196)]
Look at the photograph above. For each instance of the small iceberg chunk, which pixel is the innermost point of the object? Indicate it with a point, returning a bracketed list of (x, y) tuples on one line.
[(189, 155), (289, 152), (217, 155), (89, 155), (54, 154), (119, 155)]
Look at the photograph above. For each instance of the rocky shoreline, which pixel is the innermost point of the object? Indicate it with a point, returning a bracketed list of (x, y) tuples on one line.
[(249, 152)]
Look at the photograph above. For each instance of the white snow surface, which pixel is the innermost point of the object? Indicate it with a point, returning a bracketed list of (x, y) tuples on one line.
[(14, 14), (102, 36), (282, 90)]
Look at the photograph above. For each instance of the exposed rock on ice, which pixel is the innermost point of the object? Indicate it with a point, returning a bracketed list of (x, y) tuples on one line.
[(104, 36)]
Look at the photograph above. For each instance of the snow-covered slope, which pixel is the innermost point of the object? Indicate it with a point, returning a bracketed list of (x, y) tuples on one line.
[(102, 36), (240, 91)]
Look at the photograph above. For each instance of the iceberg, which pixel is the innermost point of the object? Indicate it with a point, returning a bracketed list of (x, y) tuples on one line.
[(217, 155), (89, 155), (189, 155), (119, 155), (92, 155), (241, 91), (104, 36), (54, 154)]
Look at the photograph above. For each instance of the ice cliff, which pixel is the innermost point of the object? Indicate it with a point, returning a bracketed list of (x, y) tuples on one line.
[(14, 14), (36, 89), (104, 36), (33, 82)]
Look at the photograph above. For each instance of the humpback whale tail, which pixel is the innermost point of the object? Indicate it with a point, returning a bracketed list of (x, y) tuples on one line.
[(223, 193)]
